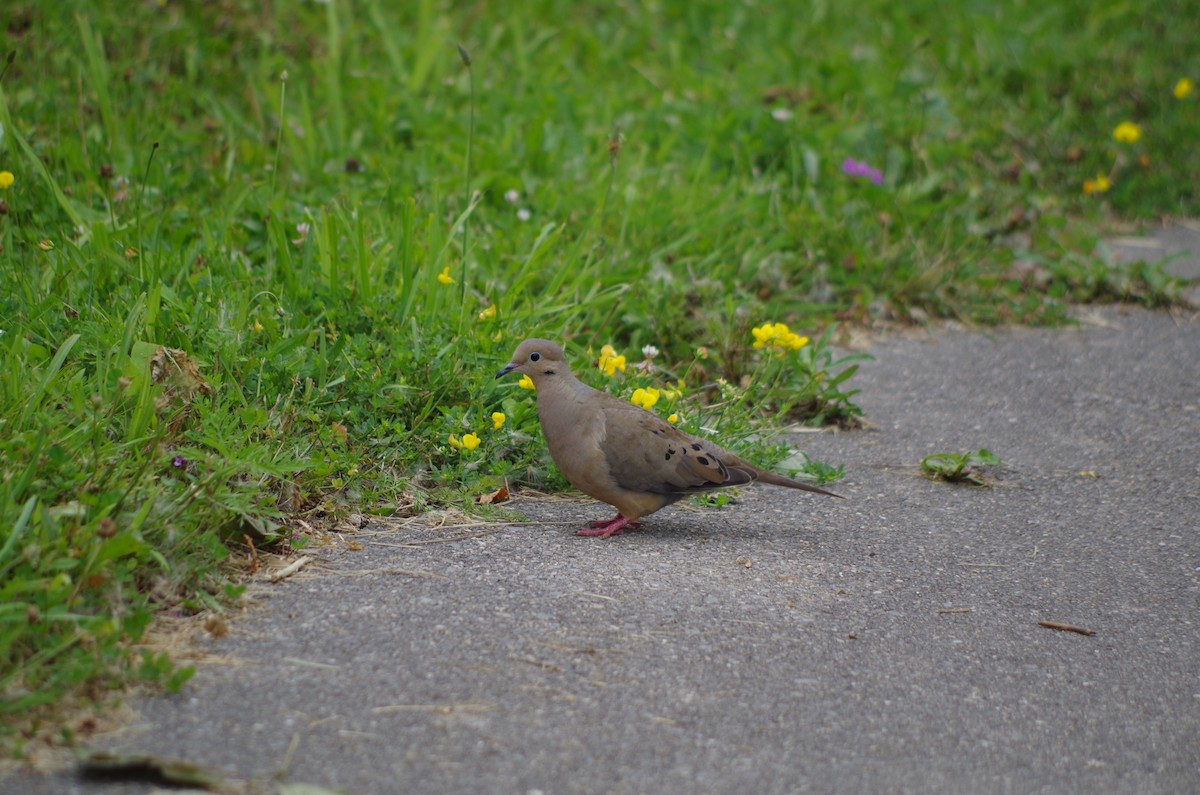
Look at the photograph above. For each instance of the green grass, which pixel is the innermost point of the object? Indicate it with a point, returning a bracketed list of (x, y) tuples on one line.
[(667, 176)]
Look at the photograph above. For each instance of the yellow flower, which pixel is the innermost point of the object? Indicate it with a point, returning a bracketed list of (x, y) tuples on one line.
[(1098, 185), (614, 363), (1182, 89), (777, 336), (609, 361), (526, 383), (644, 397), (258, 327), (1127, 132), (794, 341), (469, 441), (489, 313), (6, 180), (673, 419), (498, 420), (444, 276)]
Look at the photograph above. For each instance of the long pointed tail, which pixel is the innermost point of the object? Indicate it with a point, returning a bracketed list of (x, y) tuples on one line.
[(774, 479)]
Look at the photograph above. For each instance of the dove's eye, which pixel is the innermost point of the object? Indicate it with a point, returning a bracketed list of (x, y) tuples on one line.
[(535, 356)]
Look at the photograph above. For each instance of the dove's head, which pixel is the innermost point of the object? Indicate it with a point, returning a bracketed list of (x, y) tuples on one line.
[(537, 359)]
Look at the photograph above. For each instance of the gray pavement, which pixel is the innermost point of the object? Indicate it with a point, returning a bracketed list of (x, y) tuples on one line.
[(888, 642)]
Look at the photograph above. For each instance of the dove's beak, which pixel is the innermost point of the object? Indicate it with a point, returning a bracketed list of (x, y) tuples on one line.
[(508, 368)]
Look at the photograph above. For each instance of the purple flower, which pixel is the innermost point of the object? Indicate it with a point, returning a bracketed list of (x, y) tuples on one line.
[(179, 462), (857, 168)]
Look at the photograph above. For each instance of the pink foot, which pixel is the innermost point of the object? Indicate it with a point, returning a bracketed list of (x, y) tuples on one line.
[(606, 529), (607, 522)]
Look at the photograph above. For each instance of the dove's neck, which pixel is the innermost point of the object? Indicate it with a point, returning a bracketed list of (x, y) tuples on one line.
[(562, 385), (562, 402)]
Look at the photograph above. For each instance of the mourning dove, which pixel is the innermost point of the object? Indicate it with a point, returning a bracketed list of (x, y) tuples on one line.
[(620, 453)]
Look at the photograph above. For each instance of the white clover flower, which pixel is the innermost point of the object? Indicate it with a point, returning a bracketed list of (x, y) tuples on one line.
[(302, 230)]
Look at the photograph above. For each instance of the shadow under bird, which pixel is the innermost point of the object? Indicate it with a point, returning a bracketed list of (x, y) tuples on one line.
[(620, 453)]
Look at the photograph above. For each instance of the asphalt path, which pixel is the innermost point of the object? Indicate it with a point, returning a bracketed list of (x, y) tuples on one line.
[(786, 643)]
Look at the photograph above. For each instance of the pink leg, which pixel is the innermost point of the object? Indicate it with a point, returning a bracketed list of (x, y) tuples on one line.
[(607, 522), (606, 529)]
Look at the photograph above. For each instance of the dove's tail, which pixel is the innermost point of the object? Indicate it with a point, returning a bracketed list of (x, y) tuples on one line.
[(763, 476)]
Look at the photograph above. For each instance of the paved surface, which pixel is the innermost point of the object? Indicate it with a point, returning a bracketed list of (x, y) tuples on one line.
[(787, 643)]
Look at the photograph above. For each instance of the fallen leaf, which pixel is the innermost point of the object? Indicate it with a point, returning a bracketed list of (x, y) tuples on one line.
[(216, 626), (499, 495), (172, 367)]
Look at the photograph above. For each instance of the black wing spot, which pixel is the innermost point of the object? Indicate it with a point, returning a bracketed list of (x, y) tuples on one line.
[(696, 447), (703, 461), (670, 452)]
